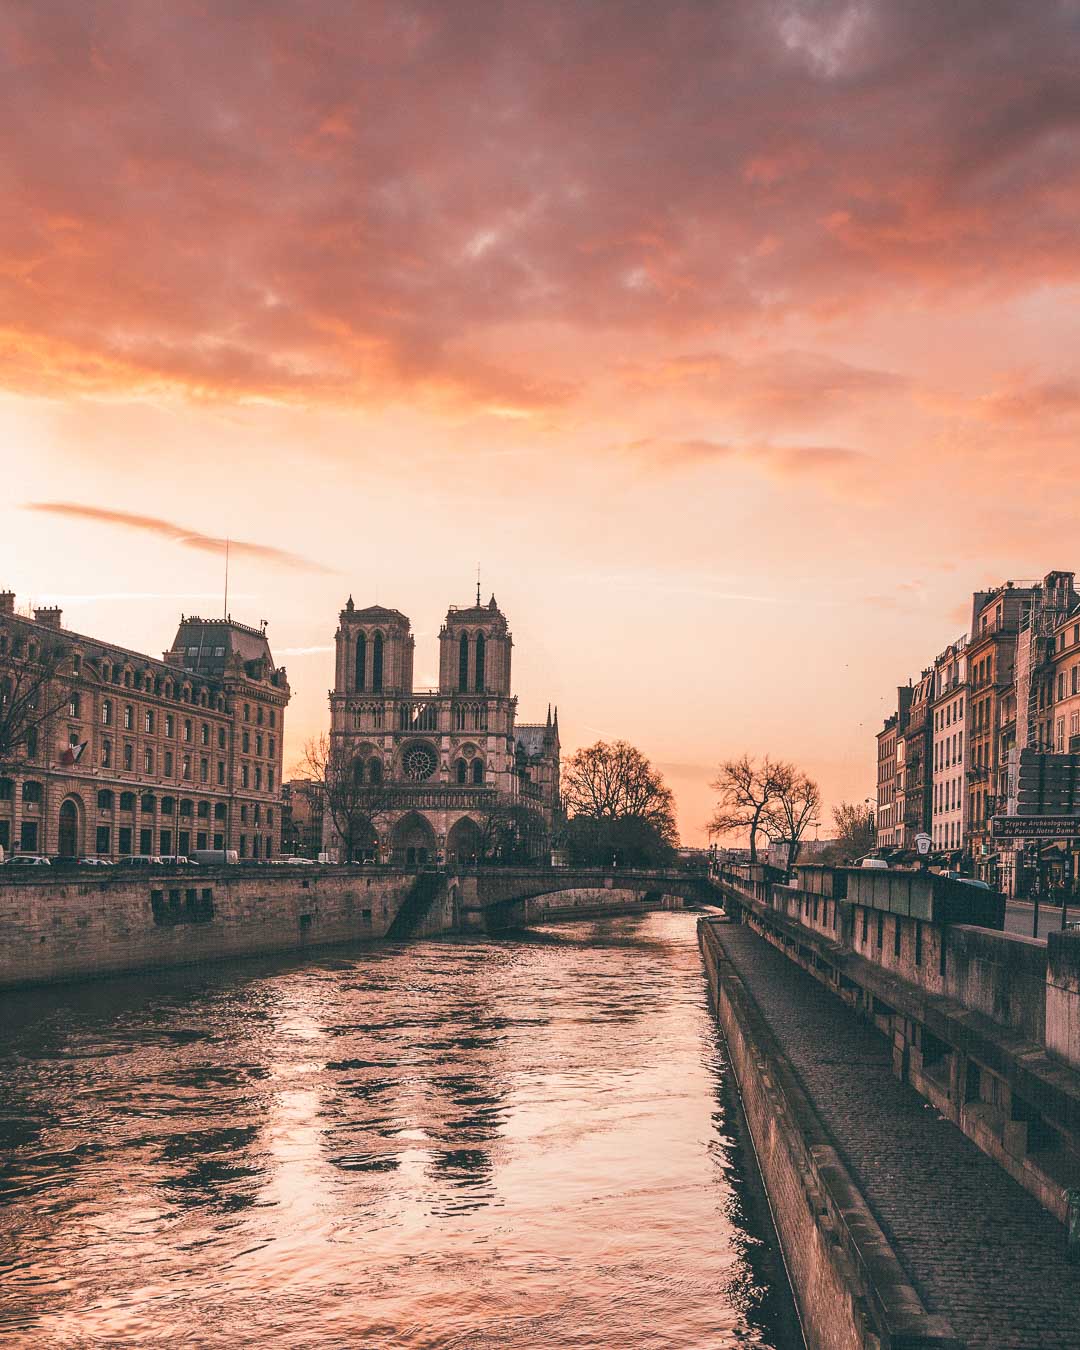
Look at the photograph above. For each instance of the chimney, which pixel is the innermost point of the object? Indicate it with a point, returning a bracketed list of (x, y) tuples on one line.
[(7, 602), (50, 616)]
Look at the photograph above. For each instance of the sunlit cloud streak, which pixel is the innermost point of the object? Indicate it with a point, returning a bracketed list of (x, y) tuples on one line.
[(166, 529)]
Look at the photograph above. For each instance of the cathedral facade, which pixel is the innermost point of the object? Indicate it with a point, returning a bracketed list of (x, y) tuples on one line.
[(448, 774)]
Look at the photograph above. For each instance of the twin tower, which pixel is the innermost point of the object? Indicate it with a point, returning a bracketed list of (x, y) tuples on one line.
[(375, 651)]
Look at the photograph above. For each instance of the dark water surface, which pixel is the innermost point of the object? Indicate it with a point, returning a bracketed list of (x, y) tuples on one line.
[(493, 1143)]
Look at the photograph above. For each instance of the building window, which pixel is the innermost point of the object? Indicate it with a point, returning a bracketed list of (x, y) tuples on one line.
[(169, 725), (480, 658), (103, 843), (106, 712), (204, 770), (221, 738), (148, 760), (478, 771), (221, 773), (462, 771), (377, 662), (129, 717), (148, 722), (73, 705), (187, 729), (245, 743), (361, 660), (247, 712), (204, 734), (270, 778), (270, 748), (106, 754), (123, 835), (244, 775), (127, 801), (105, 800), (168, 763), (219, 810), (147, 804), (463, 663), (258, 745), (258, 777), (185, 768), (129, 757), (259, 715)]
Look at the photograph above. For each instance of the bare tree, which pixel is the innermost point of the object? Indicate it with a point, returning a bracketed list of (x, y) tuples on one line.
[(615, 782), (354, 803), (748, 791), (511, 833), (856, 831), (32, 692), (795, 808)]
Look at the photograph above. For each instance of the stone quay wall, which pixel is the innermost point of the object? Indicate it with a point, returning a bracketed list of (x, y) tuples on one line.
[(76, 926), (850, 1288), (984, 1024)]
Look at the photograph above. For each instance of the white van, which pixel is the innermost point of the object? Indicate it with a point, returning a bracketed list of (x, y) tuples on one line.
[(213, 857)]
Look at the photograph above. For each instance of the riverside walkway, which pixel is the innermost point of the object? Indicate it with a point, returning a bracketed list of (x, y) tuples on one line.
[(979, 1249)]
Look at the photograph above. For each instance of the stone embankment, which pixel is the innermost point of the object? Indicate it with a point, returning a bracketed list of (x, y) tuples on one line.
[(909, 1076), (57, 927)]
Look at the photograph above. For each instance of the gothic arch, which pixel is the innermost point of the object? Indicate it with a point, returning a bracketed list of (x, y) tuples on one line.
[(412, 842), (361, 661), (464, 843)]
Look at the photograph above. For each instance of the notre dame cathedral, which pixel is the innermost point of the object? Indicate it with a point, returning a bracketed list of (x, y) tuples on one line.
[(443, 764)]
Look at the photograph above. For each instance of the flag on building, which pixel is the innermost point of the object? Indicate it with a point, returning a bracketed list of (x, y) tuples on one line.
[(73, 753)]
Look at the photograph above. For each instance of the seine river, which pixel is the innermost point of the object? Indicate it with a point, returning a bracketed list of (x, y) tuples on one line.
[(491, 1143)]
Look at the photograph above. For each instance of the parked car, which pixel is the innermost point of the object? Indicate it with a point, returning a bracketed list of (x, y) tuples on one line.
[(878, 864), (29, 860), (175, 860), (95, 862), (969, 881), (140, 860), (213, 857), (295, 858)]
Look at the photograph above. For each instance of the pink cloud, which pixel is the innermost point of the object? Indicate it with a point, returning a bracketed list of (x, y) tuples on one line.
[(337, 202)]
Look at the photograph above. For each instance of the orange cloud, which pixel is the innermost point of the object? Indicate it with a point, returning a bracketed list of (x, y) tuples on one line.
[(188, 538)]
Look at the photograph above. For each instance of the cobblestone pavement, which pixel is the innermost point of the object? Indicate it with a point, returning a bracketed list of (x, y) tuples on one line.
[(979, 1249)]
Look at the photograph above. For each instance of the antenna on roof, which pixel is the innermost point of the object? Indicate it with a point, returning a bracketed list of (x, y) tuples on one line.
[(477, 585), (226, 612)]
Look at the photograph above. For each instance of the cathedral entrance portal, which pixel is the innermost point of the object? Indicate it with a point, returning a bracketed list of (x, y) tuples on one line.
[(412, 842)]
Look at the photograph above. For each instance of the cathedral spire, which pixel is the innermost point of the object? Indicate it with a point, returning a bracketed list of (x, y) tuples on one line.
[(478, 602)]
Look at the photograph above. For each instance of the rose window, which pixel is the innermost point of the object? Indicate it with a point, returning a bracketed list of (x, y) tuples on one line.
[(420, 762)]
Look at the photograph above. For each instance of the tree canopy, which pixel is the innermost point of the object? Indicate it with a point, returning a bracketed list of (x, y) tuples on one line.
[(620, 809)]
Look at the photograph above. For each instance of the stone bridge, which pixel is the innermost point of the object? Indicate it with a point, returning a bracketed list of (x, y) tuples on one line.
[(491, 898)]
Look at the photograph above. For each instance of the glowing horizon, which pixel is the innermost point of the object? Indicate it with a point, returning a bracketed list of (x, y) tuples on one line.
[(735, 342)]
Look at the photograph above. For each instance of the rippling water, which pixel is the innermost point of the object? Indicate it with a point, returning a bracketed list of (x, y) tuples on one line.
[(486, 1143)]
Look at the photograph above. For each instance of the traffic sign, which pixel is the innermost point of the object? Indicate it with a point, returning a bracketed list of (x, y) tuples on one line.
[(1035, 827)]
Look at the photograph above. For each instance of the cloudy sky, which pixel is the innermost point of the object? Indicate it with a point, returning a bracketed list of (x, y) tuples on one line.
[(736, 342)]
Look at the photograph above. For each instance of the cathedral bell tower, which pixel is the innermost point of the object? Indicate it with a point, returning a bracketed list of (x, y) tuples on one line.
[(474, 650), (374, 651)]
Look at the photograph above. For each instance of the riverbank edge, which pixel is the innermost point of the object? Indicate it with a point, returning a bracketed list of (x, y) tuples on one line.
[(848, 1283)]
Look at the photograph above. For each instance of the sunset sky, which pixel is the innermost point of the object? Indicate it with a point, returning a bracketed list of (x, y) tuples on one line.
[(737, 343)]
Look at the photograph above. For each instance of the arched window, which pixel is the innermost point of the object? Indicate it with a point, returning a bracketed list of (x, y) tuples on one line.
[(168, 806), (376, 662), (374, 770), (105, 799), (361, 660), (479, 685), (127, 801), (31, 792), (219, 810), (462, 771), (463, 663), (358, 771), (147, 803), (478, 770)]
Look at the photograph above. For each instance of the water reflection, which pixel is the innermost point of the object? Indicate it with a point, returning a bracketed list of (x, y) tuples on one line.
[(522, 1142)]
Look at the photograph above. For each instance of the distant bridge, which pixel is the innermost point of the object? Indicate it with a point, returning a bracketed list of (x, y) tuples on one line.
[(491, 898)]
